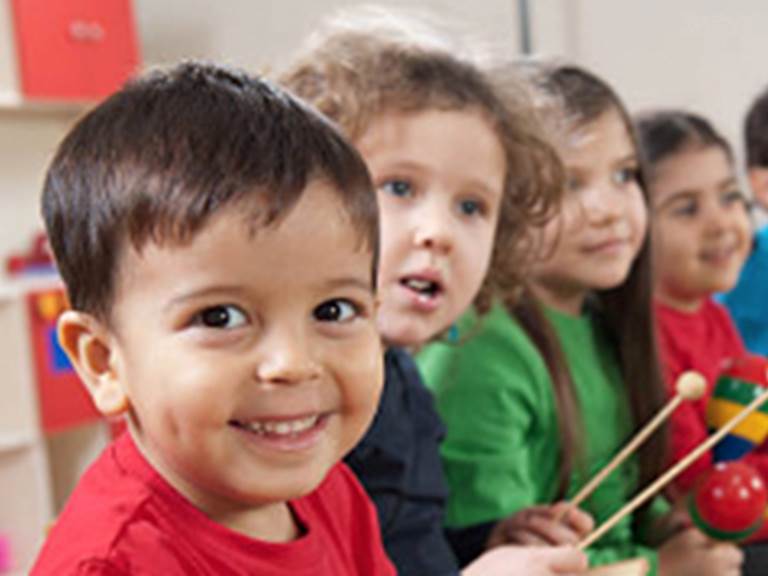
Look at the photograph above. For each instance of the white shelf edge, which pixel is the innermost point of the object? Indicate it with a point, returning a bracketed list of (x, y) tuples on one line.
[(16, 442), (12, 287), (14, 102)]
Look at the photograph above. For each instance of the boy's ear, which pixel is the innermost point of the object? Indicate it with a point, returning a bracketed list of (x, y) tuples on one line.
[(92, 351), (758, 181)]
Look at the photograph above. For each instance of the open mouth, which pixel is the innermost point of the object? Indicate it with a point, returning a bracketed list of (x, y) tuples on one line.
[(429, 289)]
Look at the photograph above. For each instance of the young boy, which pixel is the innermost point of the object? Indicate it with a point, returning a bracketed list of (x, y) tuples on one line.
[(747, 302), (217, 240)]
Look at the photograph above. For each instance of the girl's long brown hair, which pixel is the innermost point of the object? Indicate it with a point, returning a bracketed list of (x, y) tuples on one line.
[(625, 311)]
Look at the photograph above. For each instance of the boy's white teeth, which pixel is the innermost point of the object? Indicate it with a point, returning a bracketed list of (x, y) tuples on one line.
[(282, 427)]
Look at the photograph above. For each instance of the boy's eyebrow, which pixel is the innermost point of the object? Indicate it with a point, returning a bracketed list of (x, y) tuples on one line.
[(203, 292), (363, 282)]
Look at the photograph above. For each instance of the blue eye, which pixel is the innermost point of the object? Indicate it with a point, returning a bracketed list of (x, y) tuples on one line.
[(220, 317), (399, 188), (337, 310), (470, 207)]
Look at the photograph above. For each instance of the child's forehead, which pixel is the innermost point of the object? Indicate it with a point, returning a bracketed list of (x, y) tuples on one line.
[(254, 213), (243, 233), (390, 128)]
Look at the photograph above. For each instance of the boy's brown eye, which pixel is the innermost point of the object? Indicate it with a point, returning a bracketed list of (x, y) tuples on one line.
[(221, 317), (336, 311)]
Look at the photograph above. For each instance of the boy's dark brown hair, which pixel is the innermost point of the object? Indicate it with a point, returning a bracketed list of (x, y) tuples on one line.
[(578, 98), (356, 70), (155, 161)]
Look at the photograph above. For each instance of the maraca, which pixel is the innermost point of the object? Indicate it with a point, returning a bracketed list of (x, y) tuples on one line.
[(742, 381), (729, 502)]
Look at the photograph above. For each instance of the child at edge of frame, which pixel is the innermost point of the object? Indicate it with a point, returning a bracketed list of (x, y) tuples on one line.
[(701, 237), (746, 301)]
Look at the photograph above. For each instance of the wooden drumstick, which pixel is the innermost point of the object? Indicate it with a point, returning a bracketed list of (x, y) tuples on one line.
[(689, 386), (673, 472)]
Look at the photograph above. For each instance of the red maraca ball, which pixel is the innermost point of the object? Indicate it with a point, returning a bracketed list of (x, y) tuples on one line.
[(729, 502)]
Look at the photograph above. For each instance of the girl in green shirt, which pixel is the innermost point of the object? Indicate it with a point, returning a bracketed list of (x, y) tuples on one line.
[(542, 391)]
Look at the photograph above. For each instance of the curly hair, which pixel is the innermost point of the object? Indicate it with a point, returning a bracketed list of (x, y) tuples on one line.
[(363, 65)]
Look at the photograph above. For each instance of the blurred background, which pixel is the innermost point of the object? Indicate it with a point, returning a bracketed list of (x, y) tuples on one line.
[(58, 57)]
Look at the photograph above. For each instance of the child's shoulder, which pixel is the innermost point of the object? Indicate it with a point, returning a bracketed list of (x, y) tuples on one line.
[(496, 332), (104, 506), (491, 349)]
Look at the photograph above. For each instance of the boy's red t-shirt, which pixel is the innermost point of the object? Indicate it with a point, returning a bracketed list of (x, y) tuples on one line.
[(701, 341), (124, 518)]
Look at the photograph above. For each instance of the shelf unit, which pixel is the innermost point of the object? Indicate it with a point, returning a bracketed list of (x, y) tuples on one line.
[(37, 470), (56, 60), (24, 474)]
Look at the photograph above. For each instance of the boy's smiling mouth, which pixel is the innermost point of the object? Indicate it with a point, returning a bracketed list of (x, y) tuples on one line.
[(279, 427), (285, 434)]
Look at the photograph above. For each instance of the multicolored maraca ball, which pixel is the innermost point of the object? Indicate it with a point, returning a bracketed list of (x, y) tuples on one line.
[(740, 383), (729, 502)]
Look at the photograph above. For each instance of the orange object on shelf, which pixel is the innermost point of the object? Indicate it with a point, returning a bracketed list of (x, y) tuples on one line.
[(62, 399)]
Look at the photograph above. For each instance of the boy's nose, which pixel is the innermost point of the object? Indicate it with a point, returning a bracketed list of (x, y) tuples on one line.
[(286, 359)]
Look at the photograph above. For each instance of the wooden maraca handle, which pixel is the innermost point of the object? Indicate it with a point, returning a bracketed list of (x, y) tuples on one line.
[(689, 386), (673, 472)]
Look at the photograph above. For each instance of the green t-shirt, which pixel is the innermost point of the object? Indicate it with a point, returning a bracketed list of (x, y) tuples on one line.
[(501, 452)]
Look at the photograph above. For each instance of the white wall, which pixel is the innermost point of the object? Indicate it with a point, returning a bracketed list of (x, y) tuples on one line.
[(707, 55), (261, 33), (253, 34), (703, 54)]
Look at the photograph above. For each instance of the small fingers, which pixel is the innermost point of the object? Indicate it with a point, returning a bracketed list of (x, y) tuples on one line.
[(554, 533)]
